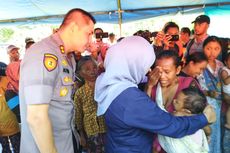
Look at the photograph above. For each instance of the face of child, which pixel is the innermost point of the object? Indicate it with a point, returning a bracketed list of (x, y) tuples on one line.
[(212, 50), (195, 69), (169, 71), (178, 103), (89, 71)]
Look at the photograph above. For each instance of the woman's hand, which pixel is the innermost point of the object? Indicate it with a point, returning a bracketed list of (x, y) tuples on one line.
[(210, 114), (159, 38), (153, 77), (83, 141)]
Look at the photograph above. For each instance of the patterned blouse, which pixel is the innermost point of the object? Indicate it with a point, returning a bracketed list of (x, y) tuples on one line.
[(86, 112), (215, 73)]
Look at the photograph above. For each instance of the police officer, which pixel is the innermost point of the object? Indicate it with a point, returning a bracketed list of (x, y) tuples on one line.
[(46, 79)]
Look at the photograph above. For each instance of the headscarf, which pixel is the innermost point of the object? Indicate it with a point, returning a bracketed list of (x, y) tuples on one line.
[(126, 64)]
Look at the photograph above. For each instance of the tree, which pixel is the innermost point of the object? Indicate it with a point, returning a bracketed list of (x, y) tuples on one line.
[(6, 34)]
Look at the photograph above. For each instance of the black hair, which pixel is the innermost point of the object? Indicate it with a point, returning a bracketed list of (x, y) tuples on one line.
[(195, 100), (111, 34), (170, 25), (138, 33), (196, 57), (186, 30), (69, 14), (144, 34), (170, 54), (98, 29), (118, 40), (212, 39)]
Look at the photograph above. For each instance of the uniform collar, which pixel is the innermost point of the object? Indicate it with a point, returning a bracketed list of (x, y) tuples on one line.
[(57, 39)]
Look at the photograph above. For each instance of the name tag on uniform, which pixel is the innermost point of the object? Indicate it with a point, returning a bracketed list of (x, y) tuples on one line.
[(65, 70)]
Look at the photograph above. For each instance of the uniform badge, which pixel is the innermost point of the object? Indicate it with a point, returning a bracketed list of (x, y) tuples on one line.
[(63, 92), (67, 79), (62, 49), (50, 62), (64, 62)]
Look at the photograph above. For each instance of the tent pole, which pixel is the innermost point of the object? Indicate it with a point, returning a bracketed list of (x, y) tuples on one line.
[(119, 14)]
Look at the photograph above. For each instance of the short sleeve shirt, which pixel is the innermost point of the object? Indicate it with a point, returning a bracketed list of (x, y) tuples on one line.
[(46, 77)]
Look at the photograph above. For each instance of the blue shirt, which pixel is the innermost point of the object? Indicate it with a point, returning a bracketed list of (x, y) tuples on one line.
[(133, 118)]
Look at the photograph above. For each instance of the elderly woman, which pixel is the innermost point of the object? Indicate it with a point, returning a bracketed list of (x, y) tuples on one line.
[(131, 116)]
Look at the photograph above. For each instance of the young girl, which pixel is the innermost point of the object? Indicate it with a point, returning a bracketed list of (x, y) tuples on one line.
[(225, 75), (189, 101), (91, 127), (211, 84)]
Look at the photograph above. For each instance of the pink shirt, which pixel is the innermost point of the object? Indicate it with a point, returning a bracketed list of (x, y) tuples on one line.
[(12, 74)]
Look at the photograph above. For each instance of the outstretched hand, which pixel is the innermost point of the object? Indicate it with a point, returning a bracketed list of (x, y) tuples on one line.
[(210, 114)]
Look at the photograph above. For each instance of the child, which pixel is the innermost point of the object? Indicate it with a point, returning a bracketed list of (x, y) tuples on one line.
[(210, 83), (189, 101), (225, 75), (91, 127), (225, 78)]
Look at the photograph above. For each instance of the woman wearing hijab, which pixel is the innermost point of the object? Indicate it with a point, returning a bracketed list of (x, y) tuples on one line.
[(131, 116)]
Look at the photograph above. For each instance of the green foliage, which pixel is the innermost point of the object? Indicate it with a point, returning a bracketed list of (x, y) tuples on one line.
[(6, 34)]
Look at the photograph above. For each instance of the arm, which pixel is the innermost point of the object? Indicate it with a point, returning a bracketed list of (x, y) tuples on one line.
[(153, 77), (224, 77), (79, 110), (79, 116), (226, 98), (151, 118), (35, 78), (41, 128)]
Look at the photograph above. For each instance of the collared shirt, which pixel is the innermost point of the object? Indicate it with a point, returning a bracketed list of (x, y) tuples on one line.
[(86, 112), (46, 77)]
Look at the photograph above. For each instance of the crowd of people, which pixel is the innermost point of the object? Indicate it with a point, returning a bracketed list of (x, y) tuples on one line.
[(153, 92)]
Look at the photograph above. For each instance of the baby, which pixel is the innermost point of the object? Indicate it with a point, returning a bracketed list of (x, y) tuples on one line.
[(189, 101)]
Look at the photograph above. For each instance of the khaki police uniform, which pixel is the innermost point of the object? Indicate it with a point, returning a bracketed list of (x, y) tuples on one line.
[(46, 77)]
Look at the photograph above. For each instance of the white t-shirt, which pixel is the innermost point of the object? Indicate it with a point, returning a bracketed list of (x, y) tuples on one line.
[(226, 88)]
